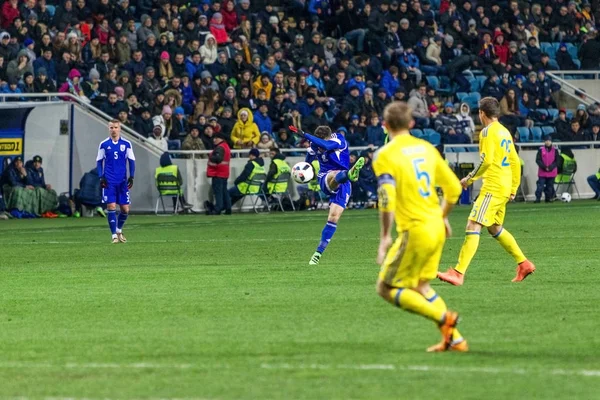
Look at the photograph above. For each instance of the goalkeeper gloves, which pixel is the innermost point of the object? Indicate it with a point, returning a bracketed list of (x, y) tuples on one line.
[(130, 182), (103, 183)]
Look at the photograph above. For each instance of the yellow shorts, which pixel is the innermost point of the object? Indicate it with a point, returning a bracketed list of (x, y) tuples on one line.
[(414, 256), (489, 209)]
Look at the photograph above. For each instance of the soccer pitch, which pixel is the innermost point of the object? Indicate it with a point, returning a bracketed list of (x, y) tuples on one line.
[(197, 307)]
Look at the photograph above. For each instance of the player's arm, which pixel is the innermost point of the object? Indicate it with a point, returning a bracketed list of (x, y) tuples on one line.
[(386, 191), (100, 166), (451, 187), (485, 160), (328, 145), (131, 162), (515, 169)]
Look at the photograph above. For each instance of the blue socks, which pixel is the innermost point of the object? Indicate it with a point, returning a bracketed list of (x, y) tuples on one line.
[(121, 221), (327, 233), (111, 215), (341, 177)]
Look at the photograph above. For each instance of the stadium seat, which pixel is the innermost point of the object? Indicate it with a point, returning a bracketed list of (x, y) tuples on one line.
[(434, 138), (536, 134), (472, 99), (553, 64), (51, 10), (543, 111), (461, 95), (481, 79), (417, 133), (474, 84), (433, 81), (523, 133), (284, 178), (256, 183), (548, 130), (428, 132), (572, 50), (577, 62), (167, 186), (549, 48), (553, 113), (569, 114)]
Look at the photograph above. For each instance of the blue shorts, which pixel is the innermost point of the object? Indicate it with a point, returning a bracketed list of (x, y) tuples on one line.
[(341, 195), (116, 193)]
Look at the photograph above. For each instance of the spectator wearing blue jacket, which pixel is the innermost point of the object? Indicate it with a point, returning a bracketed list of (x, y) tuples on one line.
[(358, 81), (193, 64), (261, 118), (270, 67), (307, 106), (410, 62), (35, 174), (375, 134), (492, 88), (389, 81), (320, 8), (137, 65), (314, 79), (46, 61)]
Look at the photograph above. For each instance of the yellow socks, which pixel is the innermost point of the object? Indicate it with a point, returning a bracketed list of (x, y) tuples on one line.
[(413, 301), (508, 242), (468, 250), (439, 303)]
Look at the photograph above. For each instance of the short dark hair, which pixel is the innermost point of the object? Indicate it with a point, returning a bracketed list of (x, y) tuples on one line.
[(397, 116), (275, 149), (490, 107), (323, 132)]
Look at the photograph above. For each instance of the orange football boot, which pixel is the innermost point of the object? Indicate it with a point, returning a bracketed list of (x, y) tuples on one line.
[(451, 276), (461, 346), (524, 269)]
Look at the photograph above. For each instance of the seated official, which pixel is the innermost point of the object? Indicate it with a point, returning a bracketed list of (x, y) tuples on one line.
[(89, 193), (255, 165), (278, 166), (168, 168)]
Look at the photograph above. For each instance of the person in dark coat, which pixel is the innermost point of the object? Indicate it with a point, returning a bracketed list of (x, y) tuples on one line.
[(589, 53), (35, 174)]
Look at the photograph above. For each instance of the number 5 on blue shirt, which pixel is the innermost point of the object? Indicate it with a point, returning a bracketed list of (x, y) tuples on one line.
[(422, 175)]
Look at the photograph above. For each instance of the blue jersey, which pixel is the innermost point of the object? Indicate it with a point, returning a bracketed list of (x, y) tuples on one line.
[(112, 160), (336, 158)]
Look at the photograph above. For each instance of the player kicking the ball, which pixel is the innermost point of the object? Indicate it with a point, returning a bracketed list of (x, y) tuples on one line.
[(408, 171), (114, 154), (500, 169), (331, 151)]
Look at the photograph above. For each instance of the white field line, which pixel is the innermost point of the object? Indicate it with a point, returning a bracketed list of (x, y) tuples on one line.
[(433, 368), (287, 366), (98, 398)]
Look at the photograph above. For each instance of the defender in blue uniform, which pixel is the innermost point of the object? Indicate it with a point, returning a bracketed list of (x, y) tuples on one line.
[(114, 154), (331, 151)]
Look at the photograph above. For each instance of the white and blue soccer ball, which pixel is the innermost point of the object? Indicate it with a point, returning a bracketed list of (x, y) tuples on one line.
[(565, 197), (303, 172)]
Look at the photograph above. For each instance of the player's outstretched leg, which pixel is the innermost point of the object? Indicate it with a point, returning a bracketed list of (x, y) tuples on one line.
[(508, 242), (335, 212), (121, 222), (355, 170), (433, 308)]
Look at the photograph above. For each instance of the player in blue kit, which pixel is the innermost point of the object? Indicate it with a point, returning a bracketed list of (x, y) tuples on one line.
[(114, 154), (331, 151)]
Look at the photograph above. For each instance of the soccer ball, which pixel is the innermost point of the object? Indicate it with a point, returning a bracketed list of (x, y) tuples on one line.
[(565, 197), (303, 172)]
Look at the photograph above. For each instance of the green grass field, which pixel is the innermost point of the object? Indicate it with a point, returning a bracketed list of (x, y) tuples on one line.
[(197, 307)]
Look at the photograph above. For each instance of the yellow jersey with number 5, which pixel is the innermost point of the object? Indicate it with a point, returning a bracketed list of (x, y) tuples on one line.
[(408, 170), (499, 164)]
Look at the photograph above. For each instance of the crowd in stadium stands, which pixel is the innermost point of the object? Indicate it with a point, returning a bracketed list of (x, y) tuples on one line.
[(251, 68)]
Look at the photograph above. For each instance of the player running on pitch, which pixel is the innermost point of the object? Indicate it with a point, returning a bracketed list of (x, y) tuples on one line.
[(114, 154), (500, 169), (408, 171), (331, 150)]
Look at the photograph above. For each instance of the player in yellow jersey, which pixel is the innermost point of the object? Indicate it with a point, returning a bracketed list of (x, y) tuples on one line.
[(500, 168), (408, 170)]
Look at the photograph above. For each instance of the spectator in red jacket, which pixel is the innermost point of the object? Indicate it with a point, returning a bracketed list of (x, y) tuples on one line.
[(500, 47), (10, 11), (230, 19), (217, 28)]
